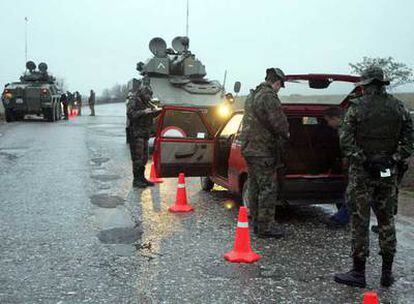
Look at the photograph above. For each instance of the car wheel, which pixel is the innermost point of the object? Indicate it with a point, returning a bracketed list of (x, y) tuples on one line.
[(206, 183), (245, 195)]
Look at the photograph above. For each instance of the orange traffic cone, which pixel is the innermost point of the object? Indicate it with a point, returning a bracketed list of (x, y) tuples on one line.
[(153, 175), (370, 297), (181, 200), (242, 251)]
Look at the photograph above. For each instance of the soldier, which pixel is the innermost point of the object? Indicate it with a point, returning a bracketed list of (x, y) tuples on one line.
[(140, 113), (70, 101), (64, 101), (92, 103), (265, 126), (333, 117), (376, 133), (78, 99)]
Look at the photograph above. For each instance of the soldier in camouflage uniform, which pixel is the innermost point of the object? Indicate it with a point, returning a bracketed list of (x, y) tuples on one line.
[(376, 133), (91, 101), (265, 126), (141, 113)]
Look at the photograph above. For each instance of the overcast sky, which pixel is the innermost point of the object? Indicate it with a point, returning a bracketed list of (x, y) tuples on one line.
[(97, 43)]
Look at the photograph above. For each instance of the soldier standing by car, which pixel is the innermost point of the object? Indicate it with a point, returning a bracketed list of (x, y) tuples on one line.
[(265, 127), (91, 101), (377, 133), (140, 113), (78, 99)]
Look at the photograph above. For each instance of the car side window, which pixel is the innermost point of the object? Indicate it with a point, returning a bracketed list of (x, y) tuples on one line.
[(232, 126), (183, 124)]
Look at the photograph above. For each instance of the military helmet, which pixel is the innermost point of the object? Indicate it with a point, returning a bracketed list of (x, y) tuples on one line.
[(276, 73), (371, 74)]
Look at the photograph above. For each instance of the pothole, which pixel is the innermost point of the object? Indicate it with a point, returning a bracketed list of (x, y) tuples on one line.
[(125, 235), (105, 177), (106, 201)]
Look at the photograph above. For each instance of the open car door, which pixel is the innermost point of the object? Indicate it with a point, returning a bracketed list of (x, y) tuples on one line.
[(184, 143)]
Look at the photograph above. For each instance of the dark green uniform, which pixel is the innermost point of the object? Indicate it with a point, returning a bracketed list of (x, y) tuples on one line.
[(141, 115), (376, 127), (264, 127), (91, 101), (78, 99), (376, 133)]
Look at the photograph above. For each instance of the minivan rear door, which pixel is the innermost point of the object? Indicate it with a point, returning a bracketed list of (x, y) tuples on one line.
[(184, 143)]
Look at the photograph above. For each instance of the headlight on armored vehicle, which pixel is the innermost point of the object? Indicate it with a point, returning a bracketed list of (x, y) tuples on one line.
[(8, 96), (224, 110)]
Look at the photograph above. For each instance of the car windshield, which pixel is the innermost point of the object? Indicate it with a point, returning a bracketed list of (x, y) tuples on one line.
[(298, 91)]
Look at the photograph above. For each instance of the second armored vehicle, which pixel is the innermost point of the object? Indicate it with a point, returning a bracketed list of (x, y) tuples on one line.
[(36, 93), (177, 77)]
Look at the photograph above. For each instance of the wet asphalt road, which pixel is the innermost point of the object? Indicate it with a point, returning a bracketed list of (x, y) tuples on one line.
[(74, 231)]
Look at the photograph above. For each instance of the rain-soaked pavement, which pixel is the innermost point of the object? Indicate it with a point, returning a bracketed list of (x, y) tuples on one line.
[(74, 231)]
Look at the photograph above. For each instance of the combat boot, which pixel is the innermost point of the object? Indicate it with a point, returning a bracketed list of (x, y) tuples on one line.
[(139, 179), (267, 230), (139, 183), (355, 277), (149, 184), (387, 278)]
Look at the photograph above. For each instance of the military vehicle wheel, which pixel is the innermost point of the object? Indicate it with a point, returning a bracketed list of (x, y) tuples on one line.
[(49, 115), (9, 115), (57, 113), (206, 183), (18, 117)]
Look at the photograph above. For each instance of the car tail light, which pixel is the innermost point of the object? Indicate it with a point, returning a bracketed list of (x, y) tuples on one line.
[(6, 91)]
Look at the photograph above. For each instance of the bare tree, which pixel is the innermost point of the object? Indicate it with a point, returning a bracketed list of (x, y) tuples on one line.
[(397, 72)]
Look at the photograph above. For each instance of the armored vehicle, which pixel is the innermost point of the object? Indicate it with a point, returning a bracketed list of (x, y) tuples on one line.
[(177, 77), (36, 93)]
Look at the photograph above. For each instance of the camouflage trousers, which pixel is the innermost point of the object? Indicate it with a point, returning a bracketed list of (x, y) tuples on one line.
[(92, 107), (139, 154), (365, 192), (263, 188)]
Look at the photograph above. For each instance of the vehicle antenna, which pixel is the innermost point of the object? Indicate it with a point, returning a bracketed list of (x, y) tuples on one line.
[(25, 34), (186, 27)]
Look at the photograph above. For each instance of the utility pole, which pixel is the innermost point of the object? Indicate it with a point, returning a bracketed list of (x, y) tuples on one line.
[(186, 27), (25, 34)]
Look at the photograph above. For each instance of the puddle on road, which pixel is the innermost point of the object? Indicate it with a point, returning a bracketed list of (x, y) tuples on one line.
[(100, 160), (106, 201), (105, 177), (8, 156), (124, 235)]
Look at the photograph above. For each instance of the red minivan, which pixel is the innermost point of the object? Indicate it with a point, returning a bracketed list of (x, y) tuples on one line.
[(313, 172)]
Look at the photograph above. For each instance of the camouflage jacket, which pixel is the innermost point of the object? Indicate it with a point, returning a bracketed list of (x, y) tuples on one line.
[(91, 99), (353, 120), (140, 122), (264, 123)]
